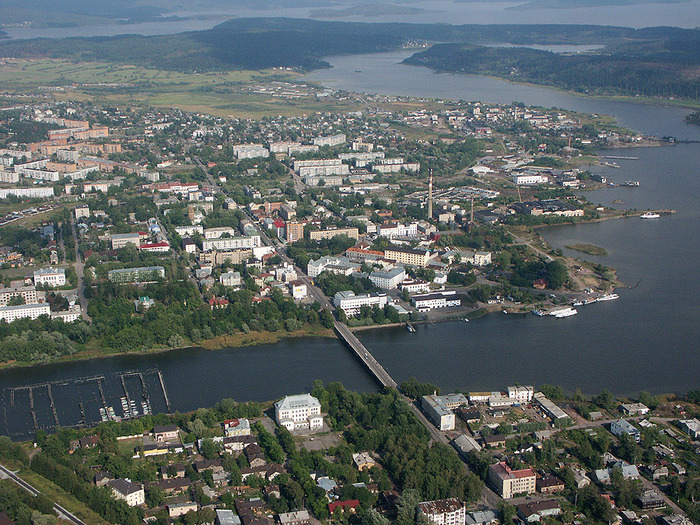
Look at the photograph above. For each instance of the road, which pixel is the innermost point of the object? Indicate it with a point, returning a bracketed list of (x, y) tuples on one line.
[(377, 370), (62, 512), (79, 271)]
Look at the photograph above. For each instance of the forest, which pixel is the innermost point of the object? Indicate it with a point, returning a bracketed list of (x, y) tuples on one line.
[(657, 68), (260, 43)]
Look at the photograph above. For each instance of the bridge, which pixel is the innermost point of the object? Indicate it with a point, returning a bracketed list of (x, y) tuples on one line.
[(377, 370)]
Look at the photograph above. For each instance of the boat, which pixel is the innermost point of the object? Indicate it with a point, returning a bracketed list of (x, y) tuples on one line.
[(649, 215), (590, 300), (577, 303), (466, 319), (410, 327), (564, 312), (631, 183), (538, 313), (608, 297)]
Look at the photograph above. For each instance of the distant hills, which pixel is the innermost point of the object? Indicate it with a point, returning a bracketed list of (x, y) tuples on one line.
[(659, 61)]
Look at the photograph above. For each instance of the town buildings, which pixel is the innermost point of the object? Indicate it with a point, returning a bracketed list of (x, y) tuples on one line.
[(443, 512), (388, 279), (132, 493), (53, 277), (352, 304), (429, 301), (132, 275), (507, 483), (299, 412), (31, 311), (409, 256), (622, 426)]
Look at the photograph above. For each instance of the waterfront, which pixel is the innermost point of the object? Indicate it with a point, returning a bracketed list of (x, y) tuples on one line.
[(647, 340)]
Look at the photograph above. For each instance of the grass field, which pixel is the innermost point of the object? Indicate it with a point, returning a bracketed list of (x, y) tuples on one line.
[(60, 496), (222, 94)]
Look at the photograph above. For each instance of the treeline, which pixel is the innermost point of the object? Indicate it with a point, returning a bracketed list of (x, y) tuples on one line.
[(259, 43), (659, 68), (23, 508)]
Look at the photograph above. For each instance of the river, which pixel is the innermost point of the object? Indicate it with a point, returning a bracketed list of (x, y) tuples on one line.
[(646, 340)]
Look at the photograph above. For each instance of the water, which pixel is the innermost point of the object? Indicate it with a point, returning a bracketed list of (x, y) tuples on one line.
[(192, 377), (681, 14), (646, 340)]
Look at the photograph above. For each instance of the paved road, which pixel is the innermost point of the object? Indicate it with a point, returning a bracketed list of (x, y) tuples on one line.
[(80, 271), (62, 512), (367, 359)]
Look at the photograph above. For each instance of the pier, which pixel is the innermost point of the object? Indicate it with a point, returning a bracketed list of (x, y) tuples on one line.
[(367, 359)]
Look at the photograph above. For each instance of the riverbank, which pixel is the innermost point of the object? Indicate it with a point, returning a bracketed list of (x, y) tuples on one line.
[(218, 343)]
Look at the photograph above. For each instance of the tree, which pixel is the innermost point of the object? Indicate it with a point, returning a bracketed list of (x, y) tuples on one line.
[(557, 274), (209, 449), (506, 512)]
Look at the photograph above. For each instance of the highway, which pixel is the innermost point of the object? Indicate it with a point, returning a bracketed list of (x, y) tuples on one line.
[(62, 513)]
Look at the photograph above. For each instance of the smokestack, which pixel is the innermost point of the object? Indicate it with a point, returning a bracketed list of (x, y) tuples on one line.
[(430, 196)]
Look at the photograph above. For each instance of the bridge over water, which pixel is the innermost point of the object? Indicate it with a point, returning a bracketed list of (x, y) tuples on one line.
[(377, 370)]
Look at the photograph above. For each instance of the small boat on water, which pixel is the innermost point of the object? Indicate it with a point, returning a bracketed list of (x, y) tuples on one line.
[(564, 312), (410, 327), (590, 300), (608, 297), (539, 313), (631, 183), (577, 303), (649, 215)]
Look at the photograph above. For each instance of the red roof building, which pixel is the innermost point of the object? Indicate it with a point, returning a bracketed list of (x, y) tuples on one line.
[(344, 505)]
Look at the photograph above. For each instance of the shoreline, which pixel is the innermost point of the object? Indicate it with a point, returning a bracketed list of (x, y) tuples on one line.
[(217, 343)]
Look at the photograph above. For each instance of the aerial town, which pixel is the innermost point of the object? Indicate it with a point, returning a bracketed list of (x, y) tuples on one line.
[(132, 230)]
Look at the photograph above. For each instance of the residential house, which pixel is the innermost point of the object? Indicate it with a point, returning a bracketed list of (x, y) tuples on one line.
[(132, 493), (443, 512), (508, 482)]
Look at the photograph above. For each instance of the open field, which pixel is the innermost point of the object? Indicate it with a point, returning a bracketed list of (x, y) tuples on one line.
[(218, 93)]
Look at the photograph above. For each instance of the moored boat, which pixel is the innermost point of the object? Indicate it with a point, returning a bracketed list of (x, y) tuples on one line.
[(608, 297), (649, 215), (564, 312)]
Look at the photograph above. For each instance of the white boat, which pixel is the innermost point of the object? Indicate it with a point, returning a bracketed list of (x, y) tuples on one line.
[(538, 313), (649, 215), (608, 297), (564, 312), (577, 303)]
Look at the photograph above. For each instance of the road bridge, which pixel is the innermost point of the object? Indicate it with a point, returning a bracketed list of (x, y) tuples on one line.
[(377, 370)]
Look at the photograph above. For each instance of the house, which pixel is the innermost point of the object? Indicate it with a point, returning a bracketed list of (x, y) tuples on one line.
[(691, 427), (650, 499), (102, 478), (482, 517), (172, 486), (508, 483), (634, 409), (255, 456), (443, 512), (349, 505), (299, 412), (164, 433), (131, 493), (299, 517), (621, 426), (227, 517), (52, 277), (438, 412), (628, 472), (176, 510), (549, 483), (363, 461), (533, 511), (236, 427)]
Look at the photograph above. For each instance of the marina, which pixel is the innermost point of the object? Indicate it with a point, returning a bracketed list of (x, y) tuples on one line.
[(82, 401)]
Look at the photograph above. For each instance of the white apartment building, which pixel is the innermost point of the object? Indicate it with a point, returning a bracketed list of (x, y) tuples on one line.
[(9, 177), (444, 512), (438, 412), (230, 279), (521, 394), (120, 240), (216, 233), (130, 492), (398, 230), (622, 426), (231, 243), (32, 311), (51, 276), (302, 411), (333, 140), (337, 265), (250, 151), (508, 483), (525, 179), (388, 279), (412, 286), (186, 231), (321, 168), (429, 301), (31, 193), (28, 293), (351, 304), (82, 211)]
